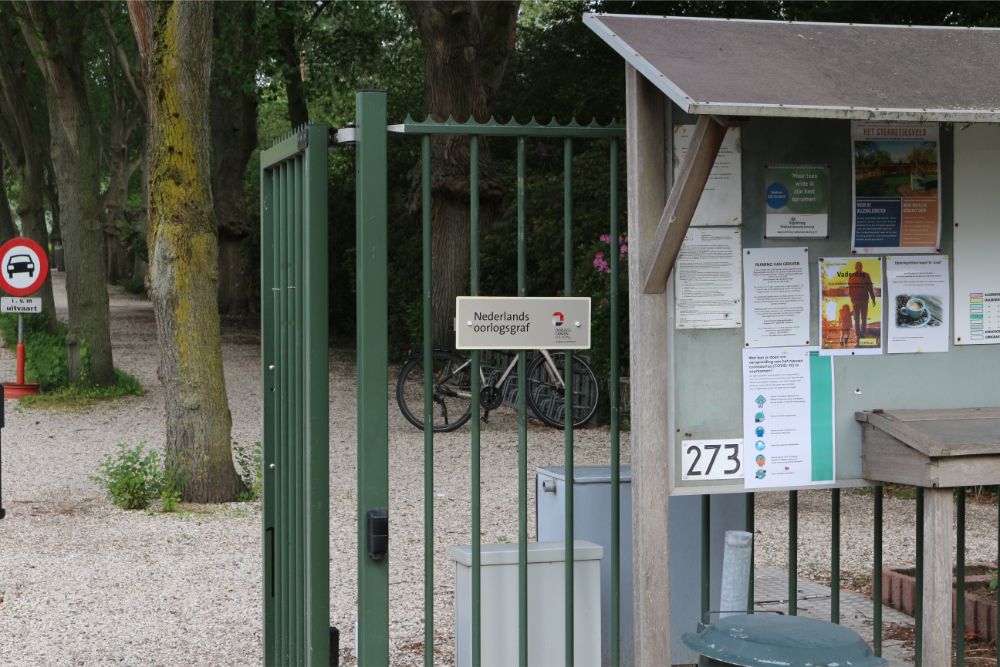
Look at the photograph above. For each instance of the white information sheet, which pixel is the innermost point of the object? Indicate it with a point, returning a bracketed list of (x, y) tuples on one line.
[(977, 223), (776, 312), (787, 418), (918, 310), (722, 201), (708, 292)]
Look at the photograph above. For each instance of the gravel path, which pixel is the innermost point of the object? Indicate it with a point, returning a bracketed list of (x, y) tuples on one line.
[(82, 582)]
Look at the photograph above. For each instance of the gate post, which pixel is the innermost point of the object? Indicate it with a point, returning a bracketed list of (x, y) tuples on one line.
[(373, 374)]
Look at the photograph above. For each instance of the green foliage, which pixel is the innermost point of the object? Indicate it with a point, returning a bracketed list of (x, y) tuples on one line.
[(134, 284), (133, 478), (170, 490), (47, 363), (248, 463)]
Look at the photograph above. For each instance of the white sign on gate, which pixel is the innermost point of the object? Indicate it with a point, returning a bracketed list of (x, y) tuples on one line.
[(525, 323)]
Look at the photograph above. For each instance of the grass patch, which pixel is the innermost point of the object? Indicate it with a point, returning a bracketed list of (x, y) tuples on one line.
[(47, 363), (74, 396)]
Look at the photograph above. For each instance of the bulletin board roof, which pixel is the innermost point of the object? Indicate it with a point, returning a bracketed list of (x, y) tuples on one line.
[(820, 70)]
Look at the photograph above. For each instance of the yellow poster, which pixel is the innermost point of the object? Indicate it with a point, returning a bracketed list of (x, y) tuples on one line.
[(850, 305)]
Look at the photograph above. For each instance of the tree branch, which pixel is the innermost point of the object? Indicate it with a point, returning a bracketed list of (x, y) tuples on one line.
[(122, 57)]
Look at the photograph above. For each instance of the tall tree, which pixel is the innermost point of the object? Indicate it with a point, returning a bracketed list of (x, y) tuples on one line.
[(7, 230), (466, 47), (54, 33), (175, 46), (234, 138), (20, 140), (287, 15)]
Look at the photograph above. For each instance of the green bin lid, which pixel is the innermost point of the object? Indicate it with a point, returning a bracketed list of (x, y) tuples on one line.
[(772, 640)]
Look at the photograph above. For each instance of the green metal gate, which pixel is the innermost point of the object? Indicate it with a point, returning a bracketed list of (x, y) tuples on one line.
[(372, 270), (296, 408)]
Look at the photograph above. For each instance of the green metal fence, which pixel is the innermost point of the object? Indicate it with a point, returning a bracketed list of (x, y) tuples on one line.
[(295, 455), (372, 438)]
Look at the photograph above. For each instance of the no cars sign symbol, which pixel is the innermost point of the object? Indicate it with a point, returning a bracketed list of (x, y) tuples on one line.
[(24, 266)]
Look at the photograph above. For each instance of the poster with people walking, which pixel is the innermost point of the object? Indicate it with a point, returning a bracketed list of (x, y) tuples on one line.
[(850, 310)]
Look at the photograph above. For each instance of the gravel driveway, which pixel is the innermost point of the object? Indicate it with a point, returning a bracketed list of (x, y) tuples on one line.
[(82, 582)]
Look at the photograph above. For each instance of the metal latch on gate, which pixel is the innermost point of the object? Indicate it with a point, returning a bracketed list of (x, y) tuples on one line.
[(378, 534)]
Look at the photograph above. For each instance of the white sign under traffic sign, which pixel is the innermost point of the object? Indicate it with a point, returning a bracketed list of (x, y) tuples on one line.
[(20, 304), (522, 323)]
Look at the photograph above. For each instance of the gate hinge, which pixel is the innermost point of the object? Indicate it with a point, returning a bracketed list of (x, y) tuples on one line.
[(345, 136)]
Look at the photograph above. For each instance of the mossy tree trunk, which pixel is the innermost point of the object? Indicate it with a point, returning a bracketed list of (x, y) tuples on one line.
[(54, 33), (175, 45)]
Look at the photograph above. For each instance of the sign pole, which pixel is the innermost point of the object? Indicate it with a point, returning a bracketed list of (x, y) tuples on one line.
[(3, 512), (20, 348)]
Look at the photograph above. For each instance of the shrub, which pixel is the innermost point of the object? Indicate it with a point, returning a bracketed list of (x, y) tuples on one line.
[(133, 478), (248, 462)]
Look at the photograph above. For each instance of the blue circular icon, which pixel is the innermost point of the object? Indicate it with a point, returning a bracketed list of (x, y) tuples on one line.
[(777, 195), (759, 445), (759, 431)]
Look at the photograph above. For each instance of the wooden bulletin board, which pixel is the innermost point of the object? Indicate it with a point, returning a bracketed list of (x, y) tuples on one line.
[(706, 365)]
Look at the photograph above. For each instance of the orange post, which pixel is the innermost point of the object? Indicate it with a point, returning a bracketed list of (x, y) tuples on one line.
[(20, 363)]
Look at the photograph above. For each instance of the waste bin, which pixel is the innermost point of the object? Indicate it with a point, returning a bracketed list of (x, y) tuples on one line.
[(766, 640), (592, 510), (546, 609)]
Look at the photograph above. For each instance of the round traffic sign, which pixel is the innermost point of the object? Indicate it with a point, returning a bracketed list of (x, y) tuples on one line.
[(24, 266)]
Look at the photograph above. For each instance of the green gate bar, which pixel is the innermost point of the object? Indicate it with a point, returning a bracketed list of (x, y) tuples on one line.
[(793, 553), (706, 556), (476, 417), (960, 580), (877, 575), (749, 499), (918, 603), (613, 399), (568, 395), (295, 456), (522, 419), (835, 556), (373, 375), (428, 343)]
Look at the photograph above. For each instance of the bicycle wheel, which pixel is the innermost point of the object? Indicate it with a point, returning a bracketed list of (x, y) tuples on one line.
[(547, 397), (451, 402)]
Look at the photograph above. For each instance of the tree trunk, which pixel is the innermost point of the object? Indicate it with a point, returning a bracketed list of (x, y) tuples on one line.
[(53, 34), (27, 152), (175, 44), (289, 63), (7, 230), (234, 138), (466, 46)]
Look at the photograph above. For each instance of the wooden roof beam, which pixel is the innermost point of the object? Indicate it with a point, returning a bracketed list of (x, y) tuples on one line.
[(683, 200)]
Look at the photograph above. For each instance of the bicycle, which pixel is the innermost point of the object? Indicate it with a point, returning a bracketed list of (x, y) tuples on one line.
[(452, 389)]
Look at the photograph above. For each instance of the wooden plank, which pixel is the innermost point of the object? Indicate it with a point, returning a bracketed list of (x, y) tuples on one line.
[(938, 543), (886, 459), (665, 243), (958, 471), (943, 437), (951, 414), (648, 356)]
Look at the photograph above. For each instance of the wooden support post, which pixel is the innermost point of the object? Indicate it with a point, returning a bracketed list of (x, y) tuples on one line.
[(692, 176), (647, 179), (938, 544)]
